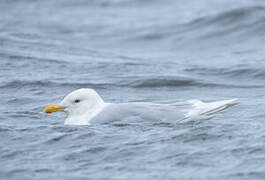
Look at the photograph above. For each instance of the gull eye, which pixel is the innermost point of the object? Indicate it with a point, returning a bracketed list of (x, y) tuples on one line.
[(77, 101)]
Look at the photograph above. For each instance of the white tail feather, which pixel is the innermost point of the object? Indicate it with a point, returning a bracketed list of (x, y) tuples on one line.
[(201, 110)]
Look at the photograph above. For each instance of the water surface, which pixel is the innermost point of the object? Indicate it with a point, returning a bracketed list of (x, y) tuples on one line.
[(132, 51)]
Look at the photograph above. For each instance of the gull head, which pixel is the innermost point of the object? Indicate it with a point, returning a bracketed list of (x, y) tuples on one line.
[(81, 106)]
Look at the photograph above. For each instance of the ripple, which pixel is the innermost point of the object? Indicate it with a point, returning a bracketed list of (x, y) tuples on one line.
[(234, 73), (56, 139), (248, 20)]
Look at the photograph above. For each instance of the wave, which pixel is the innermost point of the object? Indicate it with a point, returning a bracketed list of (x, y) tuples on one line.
[(108, 3), (43, 83), (233, 25), (235, 16), (235, 73), (136, 82), (158, 81), (175, 82), (30, 58), (241, 23)]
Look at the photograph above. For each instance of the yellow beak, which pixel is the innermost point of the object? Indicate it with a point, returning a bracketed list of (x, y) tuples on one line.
[(53, 108)]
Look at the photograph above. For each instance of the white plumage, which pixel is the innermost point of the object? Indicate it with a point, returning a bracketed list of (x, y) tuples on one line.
[(85, 105)]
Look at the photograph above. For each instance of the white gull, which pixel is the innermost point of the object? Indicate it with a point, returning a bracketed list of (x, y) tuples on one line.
[(85, 105)]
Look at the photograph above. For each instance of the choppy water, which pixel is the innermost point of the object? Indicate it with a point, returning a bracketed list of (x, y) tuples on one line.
[(129, 51)]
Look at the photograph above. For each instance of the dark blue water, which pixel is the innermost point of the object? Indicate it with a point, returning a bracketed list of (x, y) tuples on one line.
[(128, 51)]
